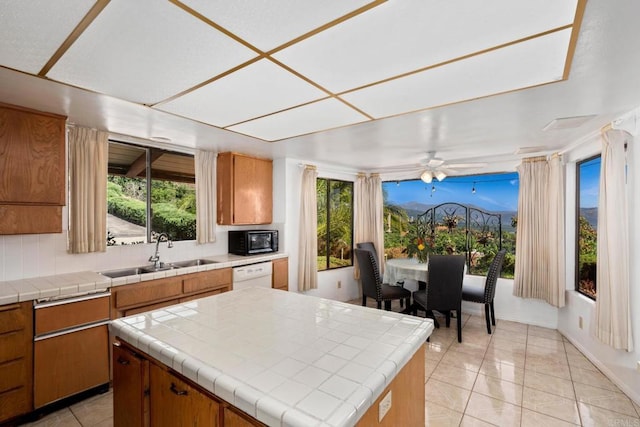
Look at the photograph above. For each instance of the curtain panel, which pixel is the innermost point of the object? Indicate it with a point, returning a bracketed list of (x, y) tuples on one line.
[(308, 234), (540, 261), (613, 312), (205, 168), (88, 159), (369, 220)]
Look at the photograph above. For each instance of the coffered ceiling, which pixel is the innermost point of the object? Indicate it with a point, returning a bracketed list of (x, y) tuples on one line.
[(314, 80)]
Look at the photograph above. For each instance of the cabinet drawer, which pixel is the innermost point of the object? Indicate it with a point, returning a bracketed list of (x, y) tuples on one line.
[(207, 280), (63, 316), (12, 318), (204, 294), (150, 307), (14, 402), (13, 345), (141, 293), (13, 374)]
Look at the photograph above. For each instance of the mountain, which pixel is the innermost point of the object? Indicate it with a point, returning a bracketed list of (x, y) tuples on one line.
[(591, 215)]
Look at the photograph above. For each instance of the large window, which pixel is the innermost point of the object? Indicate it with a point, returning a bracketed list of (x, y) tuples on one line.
[(473, 215), (335, 223), (149, 191), (588, 190)]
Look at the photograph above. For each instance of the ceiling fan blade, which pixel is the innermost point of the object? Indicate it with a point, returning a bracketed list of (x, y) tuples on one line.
[(466, 165)]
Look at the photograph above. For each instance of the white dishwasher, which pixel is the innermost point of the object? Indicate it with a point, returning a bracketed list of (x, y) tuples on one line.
[(253, 275)]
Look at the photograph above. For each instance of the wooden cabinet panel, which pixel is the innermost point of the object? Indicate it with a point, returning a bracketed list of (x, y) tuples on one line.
[(149, 307), (207, 280), (154, 290), (64, 316), (204, 294), (12, 318), (131, 373), (67, 364), (244, 189), (32, 157), (16, 360), (176, 403), (280, 277), (13, 374), (233, 418), (30, 219), (12, 345)]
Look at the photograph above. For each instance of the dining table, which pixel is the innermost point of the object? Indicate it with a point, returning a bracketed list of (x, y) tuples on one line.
[(400, 269)]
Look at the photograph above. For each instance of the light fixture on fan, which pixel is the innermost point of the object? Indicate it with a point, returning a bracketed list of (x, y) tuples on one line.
[(428, 175)]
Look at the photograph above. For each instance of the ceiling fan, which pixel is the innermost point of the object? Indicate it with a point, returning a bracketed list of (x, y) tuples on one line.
[(436, 167)]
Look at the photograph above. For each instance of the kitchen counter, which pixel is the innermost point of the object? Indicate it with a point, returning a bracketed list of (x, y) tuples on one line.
[(82, 282), (282, 357)]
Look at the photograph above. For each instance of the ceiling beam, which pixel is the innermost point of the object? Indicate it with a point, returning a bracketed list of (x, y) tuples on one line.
[(140, 164)]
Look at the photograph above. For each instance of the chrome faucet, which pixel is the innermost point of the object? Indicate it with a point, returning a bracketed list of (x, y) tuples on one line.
[(155, 258)]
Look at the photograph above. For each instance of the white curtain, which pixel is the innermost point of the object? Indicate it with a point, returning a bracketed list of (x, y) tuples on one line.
[(368, 224), (308, 235), (613, 321), (206, 196), (540, 265), (88, 158), (556, 289)]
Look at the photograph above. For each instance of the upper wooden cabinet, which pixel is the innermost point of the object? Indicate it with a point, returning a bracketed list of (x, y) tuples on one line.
[(244, 189), (32, 171)]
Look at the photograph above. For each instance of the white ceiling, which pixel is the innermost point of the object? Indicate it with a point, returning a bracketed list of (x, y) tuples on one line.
[(359, 85)]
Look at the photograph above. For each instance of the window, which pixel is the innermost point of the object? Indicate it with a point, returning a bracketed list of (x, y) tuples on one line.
[(474, 215), (335, 223), (149, 191), (588, 190)]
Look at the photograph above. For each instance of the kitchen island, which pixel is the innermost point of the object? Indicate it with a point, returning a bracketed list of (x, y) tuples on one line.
[(272, 357)]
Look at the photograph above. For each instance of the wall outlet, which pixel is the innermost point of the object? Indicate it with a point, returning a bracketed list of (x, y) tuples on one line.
[(384, 406), (339, 284), (580, 322)]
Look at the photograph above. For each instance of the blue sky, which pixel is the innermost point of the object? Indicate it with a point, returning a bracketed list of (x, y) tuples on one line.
[(494, 192), (589, 183)]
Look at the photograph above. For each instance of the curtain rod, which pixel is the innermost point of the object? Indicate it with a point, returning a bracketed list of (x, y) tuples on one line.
[(329, 169)]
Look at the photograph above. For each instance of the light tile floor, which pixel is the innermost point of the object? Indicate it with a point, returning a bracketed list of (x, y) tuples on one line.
[(520, 375)]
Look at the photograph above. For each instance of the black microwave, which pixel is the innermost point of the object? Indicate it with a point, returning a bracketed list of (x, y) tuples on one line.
[(251, 242)]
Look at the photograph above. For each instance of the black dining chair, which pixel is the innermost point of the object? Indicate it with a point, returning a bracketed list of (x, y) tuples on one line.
[(444, 288), (372, 285), (369, 246), (485, 294)]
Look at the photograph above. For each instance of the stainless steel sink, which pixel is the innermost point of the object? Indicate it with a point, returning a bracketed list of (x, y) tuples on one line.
[(192, 263), (124, 272), (152, 269)]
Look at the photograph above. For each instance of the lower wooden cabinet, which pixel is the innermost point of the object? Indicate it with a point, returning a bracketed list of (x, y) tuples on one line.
[(154, 294), (148, 393), (176, 403), (16, 360), (131, 373), (280, 278)]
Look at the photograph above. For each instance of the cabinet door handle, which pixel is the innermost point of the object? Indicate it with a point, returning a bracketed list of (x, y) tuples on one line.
[(175, 390), (123, 361)]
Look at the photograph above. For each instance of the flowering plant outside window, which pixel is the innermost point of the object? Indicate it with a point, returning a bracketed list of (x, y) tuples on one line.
[(419, 245)]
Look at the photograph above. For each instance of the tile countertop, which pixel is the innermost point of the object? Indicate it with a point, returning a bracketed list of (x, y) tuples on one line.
[(285, 358), (83, 282)]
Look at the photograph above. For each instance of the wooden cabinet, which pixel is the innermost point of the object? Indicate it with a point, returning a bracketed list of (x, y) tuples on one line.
[(32, 171), (148, 393), (280, 278), (16, 360), (155, 294), (131, 397), (244, 189), (174, 402), (71, 350)]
